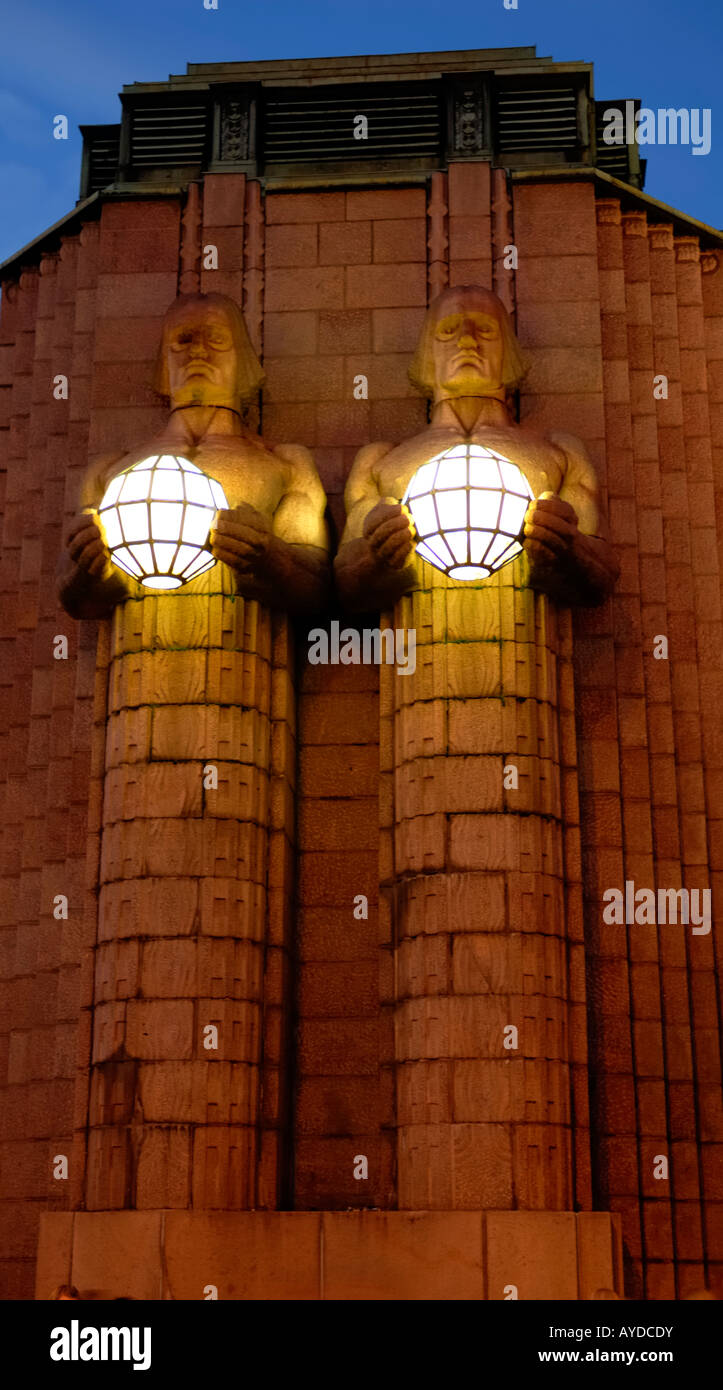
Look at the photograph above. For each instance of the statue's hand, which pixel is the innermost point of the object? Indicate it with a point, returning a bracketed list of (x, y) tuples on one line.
[(86, 545), (241, 537), (388, 531), (550, 528)]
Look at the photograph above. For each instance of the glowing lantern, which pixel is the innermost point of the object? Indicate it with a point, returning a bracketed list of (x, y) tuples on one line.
[(156, 517), (468, 505)]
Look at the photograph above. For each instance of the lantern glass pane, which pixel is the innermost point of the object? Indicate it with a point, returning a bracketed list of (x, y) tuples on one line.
[(136, 486), (147, 463), (204, 562), (424, 515), (478, 544), (436, 551), (112, 528), (134, 520), (513, 513), (484, 508), (423, 480), (452, 509), (185, 464), (468, 572), (166, 520), (186, 553), (123, 557), (483, 471), (452, 472), (162, 581), (164, 552), (497, 549), (513, 479), (144, 555), (457, 542), (112, 490), (170, 461), (167, 485), (198, 489), (219, 496), (196, 525)]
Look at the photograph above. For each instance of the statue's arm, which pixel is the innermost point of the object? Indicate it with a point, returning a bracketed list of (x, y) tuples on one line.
[(569, 554), (284, 560), (375, 564), (88, 584)]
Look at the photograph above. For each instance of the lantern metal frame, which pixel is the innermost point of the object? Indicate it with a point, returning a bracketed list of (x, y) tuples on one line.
[(156, 516), (452, 482)]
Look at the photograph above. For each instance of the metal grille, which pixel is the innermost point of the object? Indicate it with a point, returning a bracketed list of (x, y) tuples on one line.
[(311, 129), (536, 118), (167, 134), (103, 160), (612, 159)]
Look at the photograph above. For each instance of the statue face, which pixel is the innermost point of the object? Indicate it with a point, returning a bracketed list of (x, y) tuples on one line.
[(201, 355), (468, 350)]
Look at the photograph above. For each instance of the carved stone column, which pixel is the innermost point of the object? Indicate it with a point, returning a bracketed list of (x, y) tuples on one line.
[(473, 879), (178, 1027)]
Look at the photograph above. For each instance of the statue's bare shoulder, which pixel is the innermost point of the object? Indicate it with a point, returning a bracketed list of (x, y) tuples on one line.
[(364, 487), (299, 518), (580, 485)]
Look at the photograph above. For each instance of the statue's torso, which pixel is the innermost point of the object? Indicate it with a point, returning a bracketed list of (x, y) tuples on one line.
[(541, 461), (246, 470)]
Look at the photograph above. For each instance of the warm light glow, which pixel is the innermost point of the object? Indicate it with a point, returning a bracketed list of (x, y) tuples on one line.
[(156, 517), (468, 505)]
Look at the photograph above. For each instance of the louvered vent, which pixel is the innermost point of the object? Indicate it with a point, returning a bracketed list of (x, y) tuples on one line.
[(612, 159), (102, 150), (168, 135), (103, 161), (536, 118), (311, 129)]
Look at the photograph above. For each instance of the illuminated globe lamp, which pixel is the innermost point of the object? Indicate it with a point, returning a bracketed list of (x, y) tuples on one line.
[(468, 506), (156, 517)]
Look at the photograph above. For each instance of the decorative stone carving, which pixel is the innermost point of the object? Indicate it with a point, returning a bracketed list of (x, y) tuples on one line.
[(272, 539), (235, 131), (187, 1097), (469, 121), (478, 770), (191, 241), (467, 361), (437, 239)]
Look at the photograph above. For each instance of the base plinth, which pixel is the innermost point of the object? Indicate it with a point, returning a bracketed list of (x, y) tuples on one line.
[(361, 1255)]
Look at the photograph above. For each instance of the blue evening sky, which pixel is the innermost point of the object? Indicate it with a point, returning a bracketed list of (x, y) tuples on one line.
[(73, 56)]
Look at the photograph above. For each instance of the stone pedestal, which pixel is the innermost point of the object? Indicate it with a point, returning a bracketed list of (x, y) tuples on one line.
[(288, 1255)]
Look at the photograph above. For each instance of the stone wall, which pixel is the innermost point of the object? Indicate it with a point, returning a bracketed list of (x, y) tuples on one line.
[(334, 284)]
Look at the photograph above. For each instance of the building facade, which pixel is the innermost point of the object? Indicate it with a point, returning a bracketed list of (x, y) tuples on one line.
[(379, 1149)]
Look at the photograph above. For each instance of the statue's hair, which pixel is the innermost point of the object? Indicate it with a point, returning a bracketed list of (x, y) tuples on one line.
[(421, 370), (249, 372)]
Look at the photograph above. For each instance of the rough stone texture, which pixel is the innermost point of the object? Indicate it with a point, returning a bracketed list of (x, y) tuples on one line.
[(281, 1256), (622, 781)]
